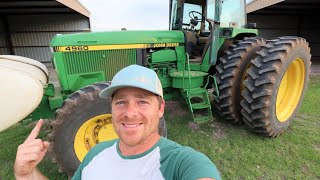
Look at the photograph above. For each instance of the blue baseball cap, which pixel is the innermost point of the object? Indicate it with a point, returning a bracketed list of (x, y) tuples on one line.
[(134, 76)]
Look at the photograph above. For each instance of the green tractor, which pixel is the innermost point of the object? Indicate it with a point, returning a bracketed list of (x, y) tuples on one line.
[(210, 50)]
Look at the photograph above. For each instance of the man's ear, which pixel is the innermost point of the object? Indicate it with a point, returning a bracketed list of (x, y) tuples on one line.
[(161, 109)]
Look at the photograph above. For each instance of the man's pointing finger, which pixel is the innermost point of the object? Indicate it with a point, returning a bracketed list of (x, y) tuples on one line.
[(35, 132)]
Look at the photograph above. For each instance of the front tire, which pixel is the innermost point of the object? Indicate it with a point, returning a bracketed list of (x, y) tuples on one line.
[(83, 110), (83, 120)]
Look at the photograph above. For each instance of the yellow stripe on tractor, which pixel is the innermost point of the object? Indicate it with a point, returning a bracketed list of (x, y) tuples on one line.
[(111, 47)]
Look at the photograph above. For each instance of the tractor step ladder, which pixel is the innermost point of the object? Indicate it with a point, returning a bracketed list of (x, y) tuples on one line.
[(199, 105), (191, 87)]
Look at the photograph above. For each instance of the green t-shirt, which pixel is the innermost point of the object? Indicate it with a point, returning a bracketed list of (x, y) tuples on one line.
[(165, 160)]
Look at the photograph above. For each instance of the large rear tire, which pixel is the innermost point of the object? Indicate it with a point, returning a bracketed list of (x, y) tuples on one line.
[(275, 85), (83, 120), (230, 73)]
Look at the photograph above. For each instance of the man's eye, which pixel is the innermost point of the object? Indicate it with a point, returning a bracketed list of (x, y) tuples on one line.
[(120, 102), (143, 102)]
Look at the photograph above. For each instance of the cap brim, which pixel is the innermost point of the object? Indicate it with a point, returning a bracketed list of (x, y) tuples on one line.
[(108, 92)]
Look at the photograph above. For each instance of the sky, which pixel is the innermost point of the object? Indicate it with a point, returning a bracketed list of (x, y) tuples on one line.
[(110, 15)]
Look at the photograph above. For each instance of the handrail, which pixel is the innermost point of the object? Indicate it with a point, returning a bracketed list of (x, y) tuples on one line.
[(188, 63), (215, 85)]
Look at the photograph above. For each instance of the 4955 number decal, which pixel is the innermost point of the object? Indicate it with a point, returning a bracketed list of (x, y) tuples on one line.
[(76, 48)]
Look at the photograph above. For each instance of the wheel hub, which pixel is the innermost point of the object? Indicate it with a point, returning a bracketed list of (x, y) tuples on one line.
[(92, 132)]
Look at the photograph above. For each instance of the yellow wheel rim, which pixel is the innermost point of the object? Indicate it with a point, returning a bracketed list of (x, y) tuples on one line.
[(95, 130), (290, 90)]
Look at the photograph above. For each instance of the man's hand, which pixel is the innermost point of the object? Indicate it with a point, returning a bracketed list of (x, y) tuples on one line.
[(29, 154)]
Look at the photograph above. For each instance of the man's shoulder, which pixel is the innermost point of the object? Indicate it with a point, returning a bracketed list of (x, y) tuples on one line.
[(172, 150), (185, 162), (93, 153)]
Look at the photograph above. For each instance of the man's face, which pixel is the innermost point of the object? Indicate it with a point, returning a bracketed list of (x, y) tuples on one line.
[(135, 115)]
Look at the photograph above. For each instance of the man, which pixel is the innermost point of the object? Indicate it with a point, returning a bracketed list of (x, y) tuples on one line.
[(139, 153)]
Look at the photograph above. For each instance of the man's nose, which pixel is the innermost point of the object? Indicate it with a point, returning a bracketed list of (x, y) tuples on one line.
[(131, 110)]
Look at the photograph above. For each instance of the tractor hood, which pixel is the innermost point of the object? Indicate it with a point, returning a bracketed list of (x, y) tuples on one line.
[(118, 38)]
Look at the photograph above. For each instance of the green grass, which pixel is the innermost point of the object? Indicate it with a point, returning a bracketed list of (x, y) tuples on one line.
[(236, 151)]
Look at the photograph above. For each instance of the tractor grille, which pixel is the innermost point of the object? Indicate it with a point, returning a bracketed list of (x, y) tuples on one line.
[(109, 61)]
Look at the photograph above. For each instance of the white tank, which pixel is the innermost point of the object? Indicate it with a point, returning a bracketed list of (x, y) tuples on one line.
[(21, 88)]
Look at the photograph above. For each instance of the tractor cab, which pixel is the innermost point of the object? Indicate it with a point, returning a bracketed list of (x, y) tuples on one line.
[(204, 22), (209, 28)]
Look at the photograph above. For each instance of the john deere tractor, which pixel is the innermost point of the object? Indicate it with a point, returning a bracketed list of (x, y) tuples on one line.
[(209, 46)]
